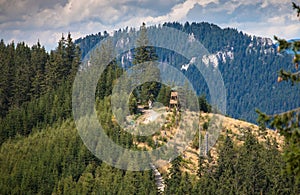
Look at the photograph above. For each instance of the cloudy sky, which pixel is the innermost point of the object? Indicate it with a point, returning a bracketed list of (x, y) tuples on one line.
[(46, 20)]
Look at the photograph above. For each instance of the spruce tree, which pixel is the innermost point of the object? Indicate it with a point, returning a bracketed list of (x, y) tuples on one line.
[(145, 57), (23, 74), (174, 177), (4, 79), (39, 59)]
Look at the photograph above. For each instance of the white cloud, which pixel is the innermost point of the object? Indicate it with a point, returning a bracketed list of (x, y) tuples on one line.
[(261, 18), (30, 20), (178, 13), (276, 19), (263, 29)]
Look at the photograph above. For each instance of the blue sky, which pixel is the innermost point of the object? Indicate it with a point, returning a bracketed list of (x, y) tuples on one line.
[(46, 20)]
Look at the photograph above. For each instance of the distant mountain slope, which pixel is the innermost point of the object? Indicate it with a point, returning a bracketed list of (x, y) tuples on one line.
[(248, 65)]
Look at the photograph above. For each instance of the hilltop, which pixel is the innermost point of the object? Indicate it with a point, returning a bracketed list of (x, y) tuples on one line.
[(235, 129)]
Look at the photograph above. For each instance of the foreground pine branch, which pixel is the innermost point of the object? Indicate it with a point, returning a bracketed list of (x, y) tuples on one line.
[(287, 123)]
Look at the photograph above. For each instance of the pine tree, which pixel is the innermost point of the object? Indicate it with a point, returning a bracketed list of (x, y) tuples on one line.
[(61, 59), (23, 74), (226, 157), (203, 104), (55, 66), (143, 52), (4, 79), (174, 177), (164, 95), (39, 59), (145, 57), (62, 64), (70, 53), (12, 68)]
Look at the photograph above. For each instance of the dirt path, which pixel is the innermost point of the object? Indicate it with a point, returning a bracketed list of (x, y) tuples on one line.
[(159, 180), (150, 116)]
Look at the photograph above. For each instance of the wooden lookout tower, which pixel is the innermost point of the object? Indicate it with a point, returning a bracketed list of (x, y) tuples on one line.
[(174, 101)]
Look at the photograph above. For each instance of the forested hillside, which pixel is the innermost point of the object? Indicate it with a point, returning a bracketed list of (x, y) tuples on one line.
[(35, 86), (56, 161)]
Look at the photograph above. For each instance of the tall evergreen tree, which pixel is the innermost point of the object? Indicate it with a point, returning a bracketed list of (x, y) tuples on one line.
[(12, 68), (63, 64), (145, 57), (39, 59), (174, 177), (23, 74), (5, 85), (143, 52)]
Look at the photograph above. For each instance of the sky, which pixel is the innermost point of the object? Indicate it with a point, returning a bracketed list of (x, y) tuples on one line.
[(46, 20)]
